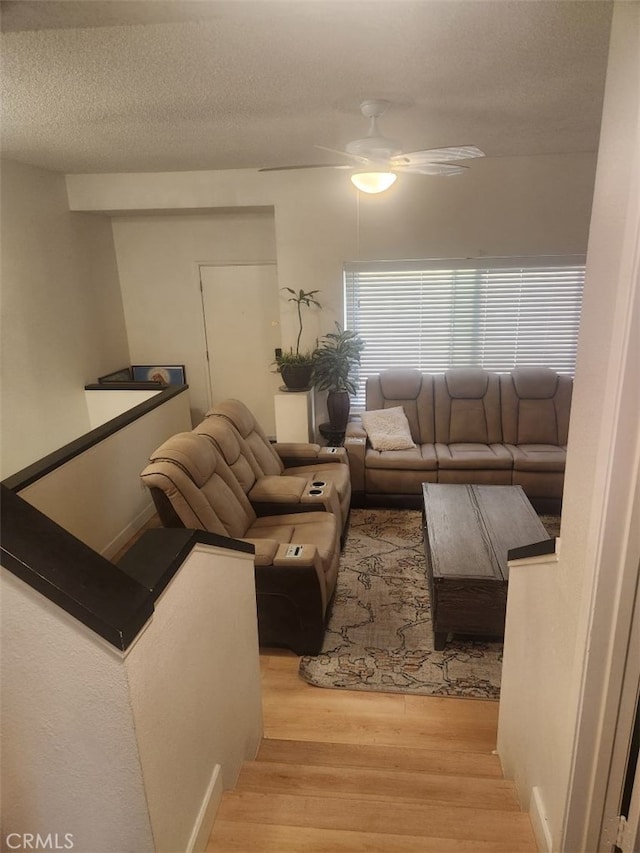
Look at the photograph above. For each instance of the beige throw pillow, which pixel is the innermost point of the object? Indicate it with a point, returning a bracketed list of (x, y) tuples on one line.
[(388, 429)]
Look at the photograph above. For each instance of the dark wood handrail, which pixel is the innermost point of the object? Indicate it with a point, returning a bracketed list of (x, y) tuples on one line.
[(113, 600), (70, 574)]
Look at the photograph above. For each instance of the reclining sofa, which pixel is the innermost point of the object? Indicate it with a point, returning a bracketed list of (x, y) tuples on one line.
[(467, 425), (209, 479), (271, 469)]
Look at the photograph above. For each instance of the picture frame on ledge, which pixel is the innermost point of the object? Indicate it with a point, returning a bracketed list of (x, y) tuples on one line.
[(164, 374)]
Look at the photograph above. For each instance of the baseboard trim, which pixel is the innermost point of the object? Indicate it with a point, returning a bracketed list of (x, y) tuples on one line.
[(539, 822), (207, 813), (128, 532)]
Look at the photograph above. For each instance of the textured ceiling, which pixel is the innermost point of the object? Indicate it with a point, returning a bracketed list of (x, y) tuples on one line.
[(95, 86)]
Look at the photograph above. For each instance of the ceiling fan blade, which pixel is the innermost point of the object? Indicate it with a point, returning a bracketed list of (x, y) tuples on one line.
[(357, 157), (429, 169), (437, 155), (315, 166)]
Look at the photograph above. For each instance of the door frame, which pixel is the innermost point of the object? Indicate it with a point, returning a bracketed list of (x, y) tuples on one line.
[(610, 677)]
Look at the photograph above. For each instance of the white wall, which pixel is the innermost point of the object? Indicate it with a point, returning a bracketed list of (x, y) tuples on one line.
[(103, 406), (62, 316), (549, 632), (98, 496), (505, 206), (70, 760), (158, 260), (195, 689), (120, 750)]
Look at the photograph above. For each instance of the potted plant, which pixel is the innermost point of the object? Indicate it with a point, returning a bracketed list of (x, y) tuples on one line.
[(335, 369), (296, 367)]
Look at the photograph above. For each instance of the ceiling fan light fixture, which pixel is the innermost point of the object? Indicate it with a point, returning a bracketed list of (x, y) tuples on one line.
[(373, 182)]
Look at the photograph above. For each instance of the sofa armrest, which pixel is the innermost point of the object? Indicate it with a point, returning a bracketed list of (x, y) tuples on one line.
[(297, 555), (277, 489), (356, 448), (308, 454), (296, 561), (266, 550), (332, 454), (282, 495), (292, 601), (320, 494), (300, 451), (355, 430)]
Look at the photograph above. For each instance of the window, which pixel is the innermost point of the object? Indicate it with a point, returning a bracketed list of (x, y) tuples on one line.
[(439, 314)]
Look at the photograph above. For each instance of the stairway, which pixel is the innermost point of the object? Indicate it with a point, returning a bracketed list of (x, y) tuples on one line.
[(341, 798)]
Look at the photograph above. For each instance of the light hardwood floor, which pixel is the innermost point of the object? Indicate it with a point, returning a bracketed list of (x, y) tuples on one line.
[(295, 710), (356, 771)]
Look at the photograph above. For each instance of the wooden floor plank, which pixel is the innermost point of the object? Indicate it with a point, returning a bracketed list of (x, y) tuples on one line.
[(231, 837), (464, 709), (475, 764), (381, 785), (395, 818), (345, 728), (295, 710)]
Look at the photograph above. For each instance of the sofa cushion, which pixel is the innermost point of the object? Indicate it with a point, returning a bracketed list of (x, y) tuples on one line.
[(471, 456), (467, 383), (407, 388), (422, 458), (396, 481), (536, 403), (388, 429), (278, 489), (535, 383), (537, 423), (468, 422), (467, 407), (538, 457), (227, 441), (401, 384), (260, 453)]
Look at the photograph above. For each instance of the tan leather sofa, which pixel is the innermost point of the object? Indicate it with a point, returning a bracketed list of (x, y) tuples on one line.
[(469, 425), (296, 554), (309, 463), (271, 494)]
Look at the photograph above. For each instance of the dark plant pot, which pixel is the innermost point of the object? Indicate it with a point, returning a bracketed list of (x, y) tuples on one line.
[(338, 406), (297, 377)]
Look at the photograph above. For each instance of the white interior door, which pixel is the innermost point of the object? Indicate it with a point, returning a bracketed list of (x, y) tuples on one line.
[(242, 323)]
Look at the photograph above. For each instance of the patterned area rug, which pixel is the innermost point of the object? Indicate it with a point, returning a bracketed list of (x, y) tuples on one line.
[(379, 636)]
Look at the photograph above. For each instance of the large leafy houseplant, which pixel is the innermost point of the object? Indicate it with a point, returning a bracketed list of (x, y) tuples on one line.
[(296, 367), (335, 369)]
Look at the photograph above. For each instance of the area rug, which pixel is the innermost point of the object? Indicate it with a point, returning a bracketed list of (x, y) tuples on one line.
[(379, 635)]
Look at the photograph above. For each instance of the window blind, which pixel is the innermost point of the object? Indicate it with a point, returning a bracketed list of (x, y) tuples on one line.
[(436, 315)]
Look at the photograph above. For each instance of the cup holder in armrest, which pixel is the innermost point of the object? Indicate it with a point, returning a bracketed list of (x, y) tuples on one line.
[(319, 492)]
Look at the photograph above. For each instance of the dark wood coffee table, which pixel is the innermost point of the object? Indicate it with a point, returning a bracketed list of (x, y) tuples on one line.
[(468, 531)]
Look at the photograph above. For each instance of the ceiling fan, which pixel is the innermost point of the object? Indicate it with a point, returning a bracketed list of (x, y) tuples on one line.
[(377, 160)]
